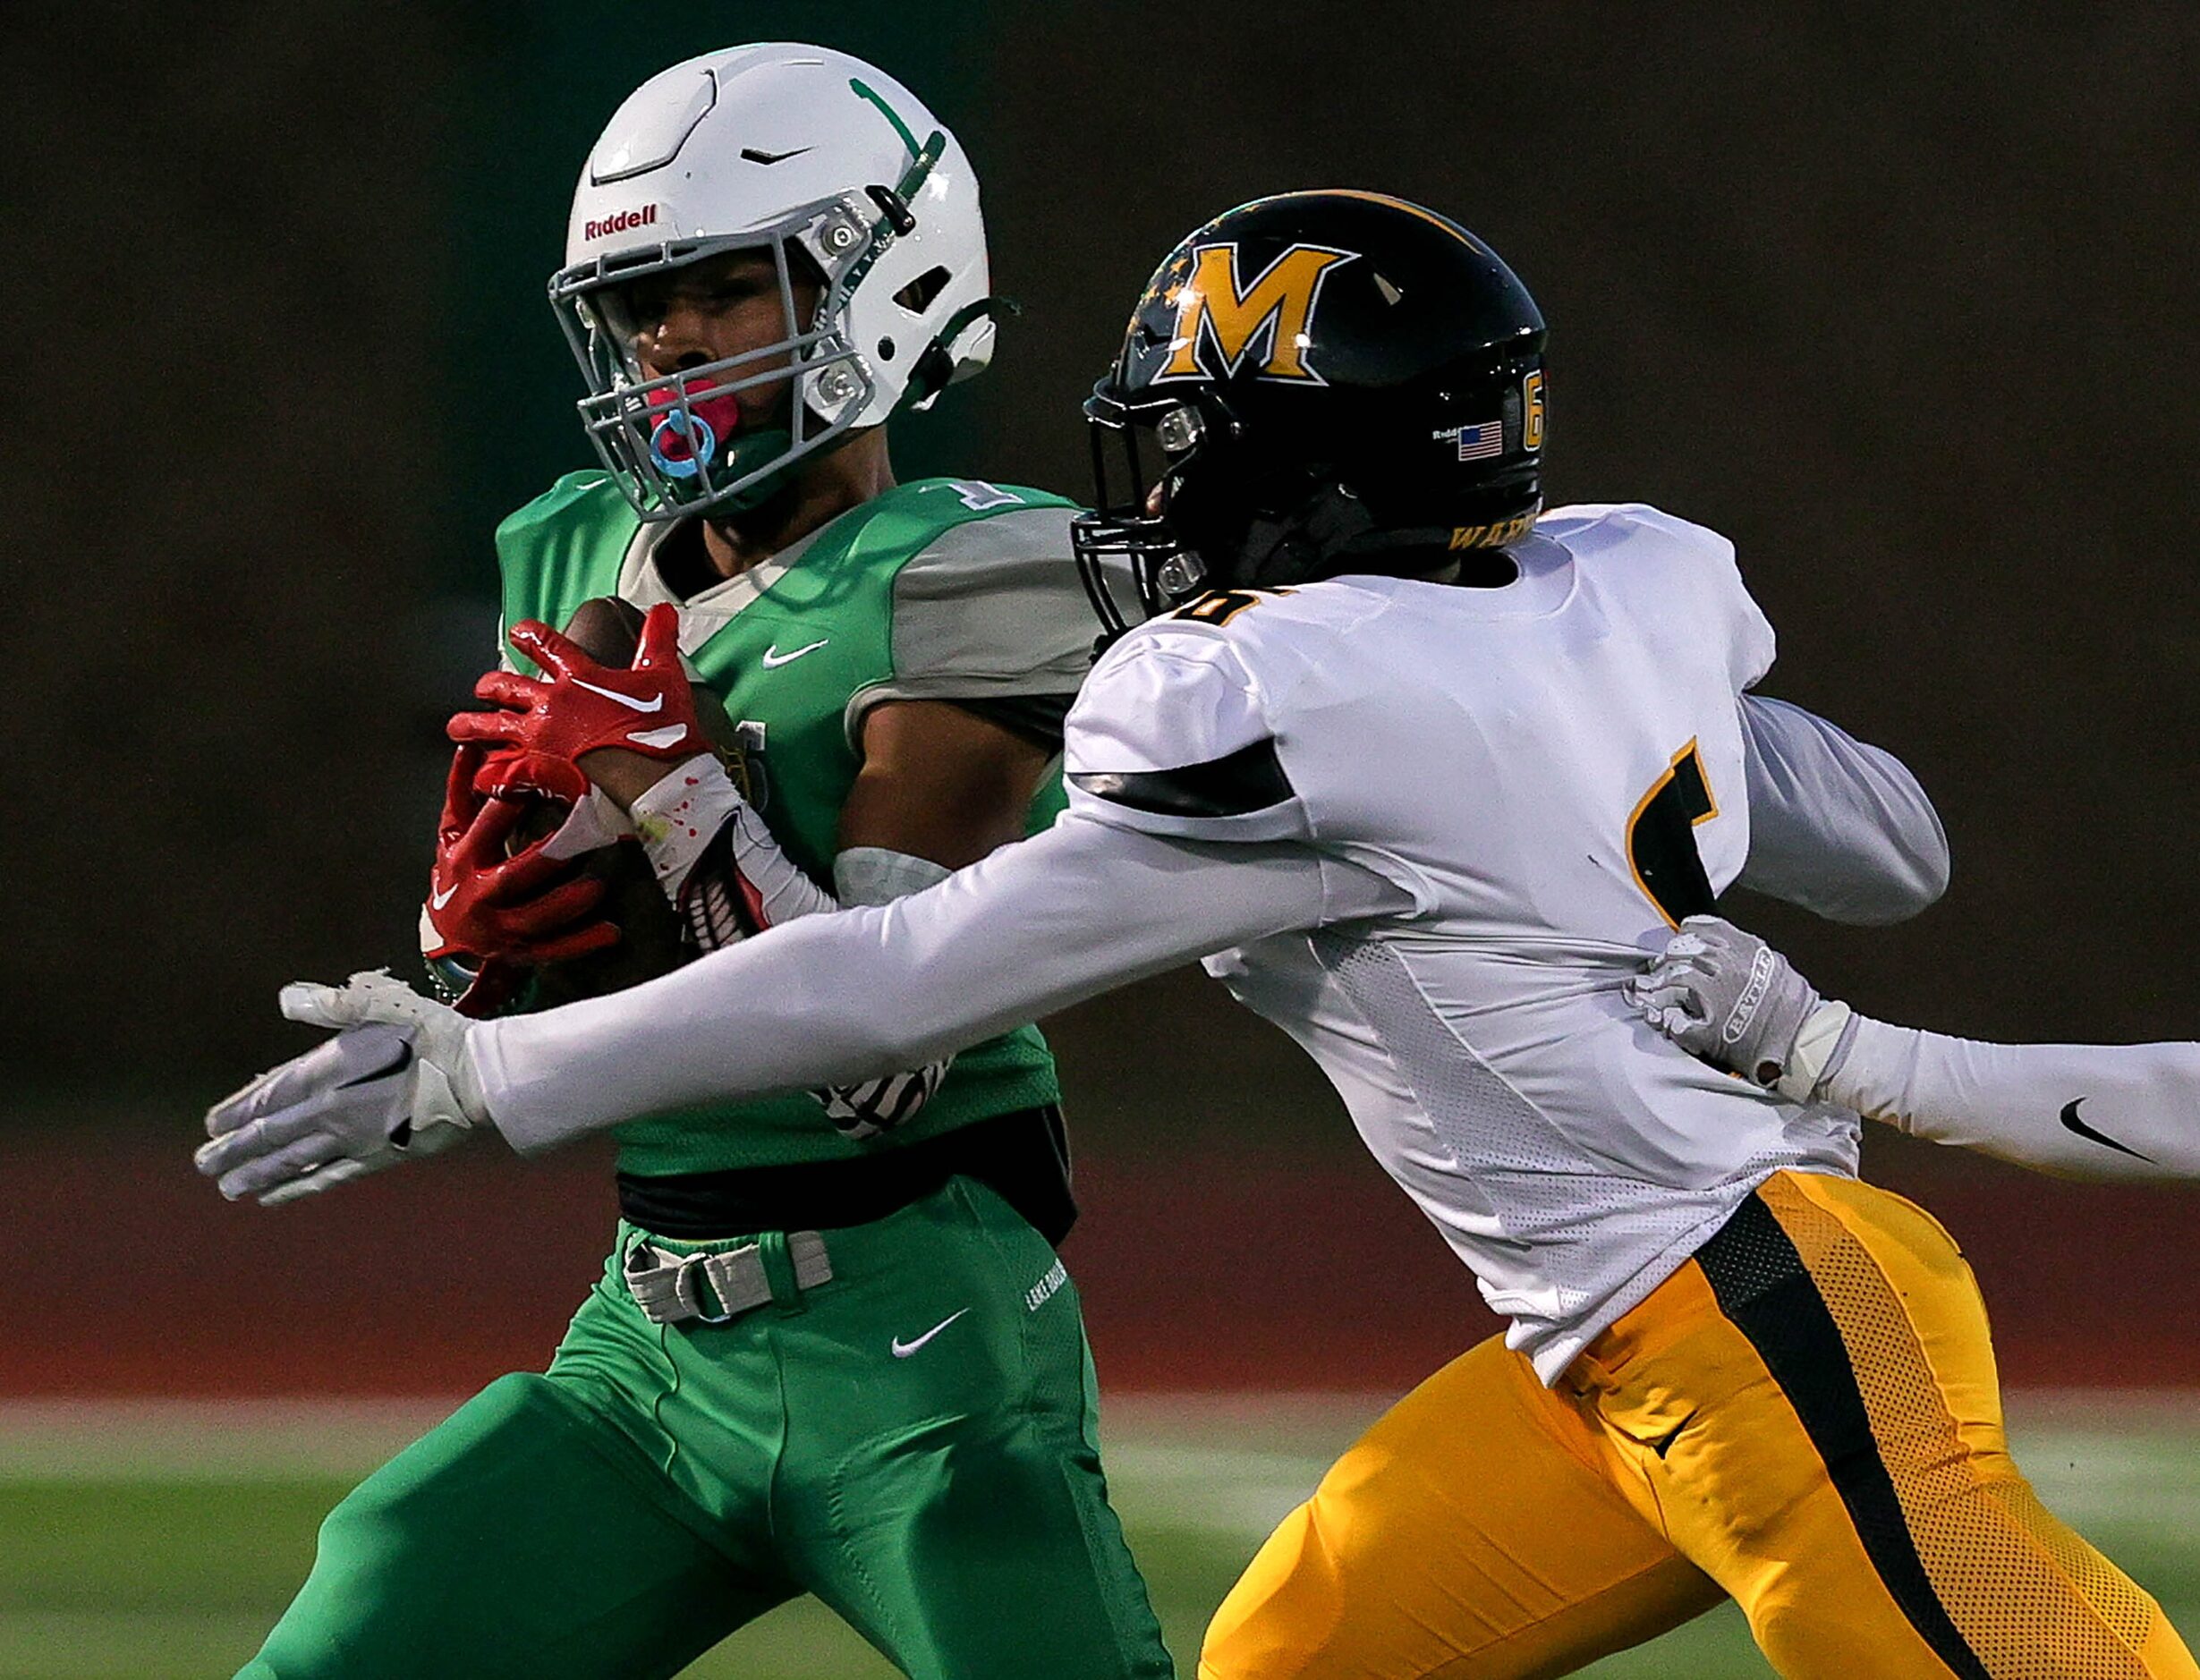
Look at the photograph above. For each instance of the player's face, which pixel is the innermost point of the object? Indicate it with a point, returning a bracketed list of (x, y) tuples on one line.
[(724, 306)]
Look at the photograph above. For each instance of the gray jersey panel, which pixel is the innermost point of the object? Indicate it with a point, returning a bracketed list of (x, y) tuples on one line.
[(991, 609)]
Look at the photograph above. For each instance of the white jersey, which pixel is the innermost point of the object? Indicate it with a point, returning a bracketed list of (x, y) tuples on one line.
[(1549, 774)]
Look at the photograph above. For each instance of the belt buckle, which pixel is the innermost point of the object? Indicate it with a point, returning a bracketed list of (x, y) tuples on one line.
[(688, 1293)]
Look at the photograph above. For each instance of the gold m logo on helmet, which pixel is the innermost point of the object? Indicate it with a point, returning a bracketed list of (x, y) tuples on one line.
[(1275, 310)]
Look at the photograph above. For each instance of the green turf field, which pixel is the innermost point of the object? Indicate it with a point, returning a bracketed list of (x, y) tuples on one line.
[(158, 1544)]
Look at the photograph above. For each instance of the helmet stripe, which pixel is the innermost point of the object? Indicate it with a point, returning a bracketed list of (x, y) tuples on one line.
[(1445, 223), (900, 127)]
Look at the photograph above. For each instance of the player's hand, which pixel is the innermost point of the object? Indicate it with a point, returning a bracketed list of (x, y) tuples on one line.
[(1729, 997), (490, 910), (622, 726), (396, 1082)]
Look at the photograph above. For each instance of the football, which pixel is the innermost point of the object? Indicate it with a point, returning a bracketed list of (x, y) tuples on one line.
[(608, 630)]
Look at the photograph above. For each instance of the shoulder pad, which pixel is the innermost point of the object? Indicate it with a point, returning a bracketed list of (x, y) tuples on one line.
[(1590, 525), (576, 495), (1170, 736), (1699, 559), (989, 607), (561, 549), (909, 518), (975, 498)]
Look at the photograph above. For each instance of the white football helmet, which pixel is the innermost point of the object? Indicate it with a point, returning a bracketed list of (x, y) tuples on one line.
[(768, 148)]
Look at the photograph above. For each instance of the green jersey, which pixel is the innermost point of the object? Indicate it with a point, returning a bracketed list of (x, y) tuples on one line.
[(938, 590)]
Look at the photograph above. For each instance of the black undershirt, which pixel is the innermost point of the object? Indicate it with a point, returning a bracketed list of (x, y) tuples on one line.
[(1023, 1157), (1033, 718)]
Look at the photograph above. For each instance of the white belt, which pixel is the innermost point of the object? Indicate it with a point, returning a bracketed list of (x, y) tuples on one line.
[(668, 1288)]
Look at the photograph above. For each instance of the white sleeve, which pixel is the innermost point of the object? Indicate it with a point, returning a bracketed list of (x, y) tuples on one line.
[(1839, 827), (1076, 910), (2077, 1110)]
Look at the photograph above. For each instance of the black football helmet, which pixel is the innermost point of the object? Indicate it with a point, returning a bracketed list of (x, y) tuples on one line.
[(1314, 384)]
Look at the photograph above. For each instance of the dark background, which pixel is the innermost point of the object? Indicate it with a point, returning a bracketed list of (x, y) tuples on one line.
[(1901, 298)]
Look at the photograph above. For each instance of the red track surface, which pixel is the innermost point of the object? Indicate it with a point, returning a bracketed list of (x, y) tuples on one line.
[(129, 1276)]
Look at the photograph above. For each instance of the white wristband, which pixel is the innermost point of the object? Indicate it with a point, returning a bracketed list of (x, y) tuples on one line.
[(594, 823), (679, 816), (1816, 1045), (874, 875)]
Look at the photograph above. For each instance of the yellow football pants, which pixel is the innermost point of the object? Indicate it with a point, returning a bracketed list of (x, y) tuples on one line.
[(1805, 1416)]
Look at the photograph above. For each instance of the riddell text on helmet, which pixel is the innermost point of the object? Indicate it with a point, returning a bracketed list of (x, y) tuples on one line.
[(645, 217)]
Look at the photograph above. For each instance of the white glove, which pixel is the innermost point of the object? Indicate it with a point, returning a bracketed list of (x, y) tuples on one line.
[(1729, 997), (397, 1081)]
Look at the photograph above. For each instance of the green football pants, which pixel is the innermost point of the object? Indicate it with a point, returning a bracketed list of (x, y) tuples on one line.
[(912, 1441)]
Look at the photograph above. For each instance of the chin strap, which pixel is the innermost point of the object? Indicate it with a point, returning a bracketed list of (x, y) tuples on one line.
[(1426, 545), (1326, 533), (1297, 545), (780, 440)]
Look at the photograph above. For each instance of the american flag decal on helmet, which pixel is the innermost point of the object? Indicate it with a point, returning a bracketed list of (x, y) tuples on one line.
[(1479, 443)]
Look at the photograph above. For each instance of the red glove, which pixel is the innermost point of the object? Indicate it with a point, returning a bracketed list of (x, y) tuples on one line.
[(583, 707), (502, 909)]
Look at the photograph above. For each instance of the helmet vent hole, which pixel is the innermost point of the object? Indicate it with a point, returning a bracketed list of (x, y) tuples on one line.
[(1390, 294), (886, 350), (917, 296)]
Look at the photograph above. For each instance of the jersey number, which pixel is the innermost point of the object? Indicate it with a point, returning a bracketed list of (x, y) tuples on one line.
[(979, 497), (1661, 846), (1224, 604)]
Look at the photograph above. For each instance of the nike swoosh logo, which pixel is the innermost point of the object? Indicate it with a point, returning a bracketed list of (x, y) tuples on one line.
[(655, 705), (902, 1350), (435, 901), (757, 157), (774, 658), (2071, 1123), (397, 1065), (670, 735)]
